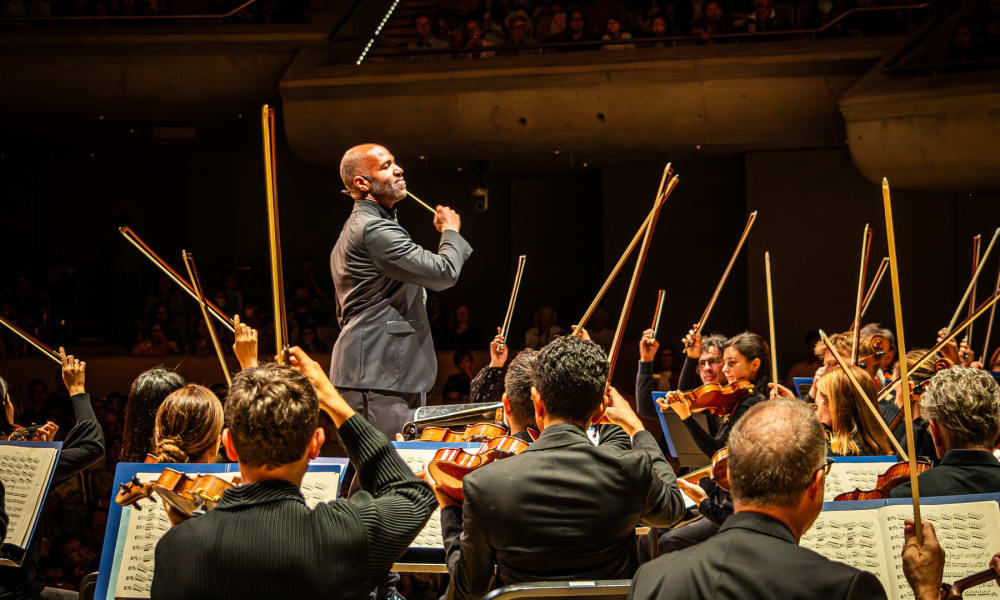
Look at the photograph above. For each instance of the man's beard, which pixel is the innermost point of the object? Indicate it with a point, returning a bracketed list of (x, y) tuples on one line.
[(386, 191)]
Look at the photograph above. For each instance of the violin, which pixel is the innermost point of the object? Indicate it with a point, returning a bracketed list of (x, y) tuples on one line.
[(182, 492), (720, 400), (918, 390), (480, 432), (24, 433), (879, 344), (718, 471), (955, 590), (450, 465), (897, 474)]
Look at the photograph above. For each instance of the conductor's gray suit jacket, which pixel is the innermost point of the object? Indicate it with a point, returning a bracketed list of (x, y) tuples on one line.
[(379, 275)]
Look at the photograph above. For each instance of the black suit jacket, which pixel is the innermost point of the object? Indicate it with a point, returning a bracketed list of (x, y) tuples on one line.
[(752, 556), (562, 509), (379, 275), (959, 472), (262, 541)]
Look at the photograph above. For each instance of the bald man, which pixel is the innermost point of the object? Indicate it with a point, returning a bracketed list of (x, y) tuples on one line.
[(383, 362)]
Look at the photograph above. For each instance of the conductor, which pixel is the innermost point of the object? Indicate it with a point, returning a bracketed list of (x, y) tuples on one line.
[(383, 362)]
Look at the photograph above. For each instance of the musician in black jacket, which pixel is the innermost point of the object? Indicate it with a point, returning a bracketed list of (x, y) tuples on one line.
[(383, 361), (261, 541), (962, 406), (83, 446), (777, 468), (563, 508)]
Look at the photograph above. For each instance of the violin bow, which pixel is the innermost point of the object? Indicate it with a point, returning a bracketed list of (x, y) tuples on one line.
[(661, 299), (274, 235), (660, 194), (929, 355), (975, 276), (976, 240), (173, 275), (866, 246), (192, 270), (422, 203), (879, 274), (513, 298), (989, 327), (32, 340), (725, 274), (857, 387), (904, 374), (770, 316), (640, 260)]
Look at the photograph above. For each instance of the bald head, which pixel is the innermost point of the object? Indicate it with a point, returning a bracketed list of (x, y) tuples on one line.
[(774, 452), (370, 170)]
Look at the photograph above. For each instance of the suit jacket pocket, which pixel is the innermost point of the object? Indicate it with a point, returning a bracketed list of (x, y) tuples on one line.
[(401, 327)]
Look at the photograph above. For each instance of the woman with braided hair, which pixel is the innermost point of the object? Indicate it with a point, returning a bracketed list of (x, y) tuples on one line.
[(188, 426)]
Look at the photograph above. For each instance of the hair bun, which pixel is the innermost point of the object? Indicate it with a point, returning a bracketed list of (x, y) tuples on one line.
[(169, 451)]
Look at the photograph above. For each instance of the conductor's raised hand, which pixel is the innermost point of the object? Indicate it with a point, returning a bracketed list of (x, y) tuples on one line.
[(245, 346), (74, 373), (330, 400), (446, 218), (498, 351), (619, 412), (648, 346)]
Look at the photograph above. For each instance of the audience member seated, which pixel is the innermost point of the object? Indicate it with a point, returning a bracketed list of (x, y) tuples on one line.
[(478, 38), (550, 20), (659, 27), (488, 384), (464, 334), (576, 30), (156, 343), (714, 22), (520, 528), (426, 40), (613, 33), (962, 406), (777, 469), (519, 36), (458, 386), (147, 393), (340, 549), (763, 18), (964, 47), (201, 341), (545, 329), (82, 447)]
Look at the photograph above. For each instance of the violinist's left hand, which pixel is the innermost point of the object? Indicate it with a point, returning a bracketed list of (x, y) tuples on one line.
[(442, 498), (619, 412), (923, 565), (692, 490), (45, 433)]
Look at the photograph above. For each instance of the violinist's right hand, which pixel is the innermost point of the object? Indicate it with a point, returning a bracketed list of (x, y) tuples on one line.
[(619, 412), (74, 373), (498, 350), (923, 565), (965, 352), (692, 343), (950, 350), (779, 391), (582, 333), (245, 346), (995, 565), (330, 400), (648, 346), (679, 405)]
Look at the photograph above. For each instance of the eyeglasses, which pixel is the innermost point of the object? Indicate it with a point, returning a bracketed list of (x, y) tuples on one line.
[(826, 466)]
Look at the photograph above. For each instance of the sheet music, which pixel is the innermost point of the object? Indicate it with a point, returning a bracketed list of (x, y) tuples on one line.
[(854, 537), (24, 471), (430, 535), (968, 532), (145, 527), (848, 476)]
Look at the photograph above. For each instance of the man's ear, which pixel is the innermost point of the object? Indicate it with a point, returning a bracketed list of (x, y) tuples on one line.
[(536, 400), (361, 184), (506, 407), (227, 441), (937, 435), (816, 486), (316, 443)]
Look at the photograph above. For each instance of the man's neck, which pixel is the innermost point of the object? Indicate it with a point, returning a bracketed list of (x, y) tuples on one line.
[(292, 473), (387, 204), (550, 421), (787, 516)]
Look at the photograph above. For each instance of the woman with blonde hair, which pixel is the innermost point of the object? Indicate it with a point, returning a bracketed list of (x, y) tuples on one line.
[(188, 426), (853, 427)]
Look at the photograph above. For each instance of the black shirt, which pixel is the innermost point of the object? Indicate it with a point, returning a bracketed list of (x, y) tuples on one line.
[(262, 541), (960, 472)]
